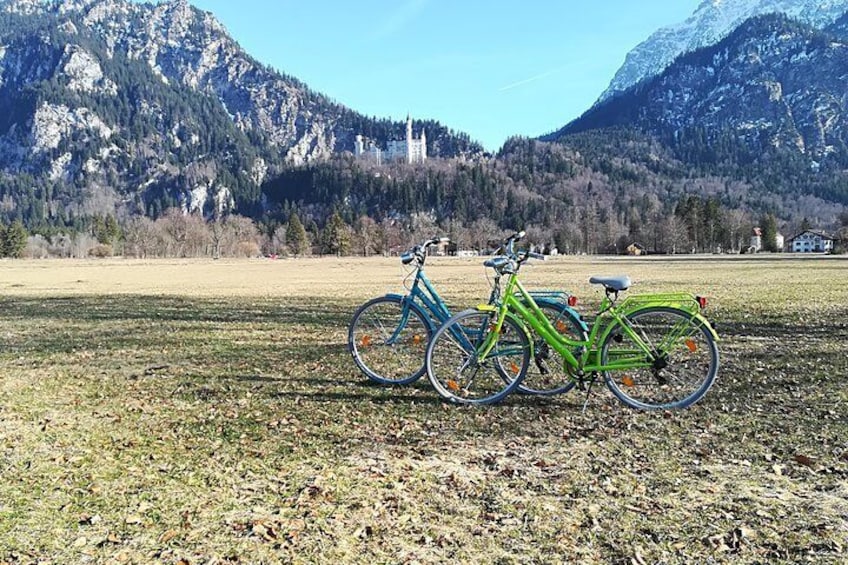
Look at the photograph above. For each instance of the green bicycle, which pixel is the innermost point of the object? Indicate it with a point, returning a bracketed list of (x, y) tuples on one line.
[(388, 335), (655, 351)]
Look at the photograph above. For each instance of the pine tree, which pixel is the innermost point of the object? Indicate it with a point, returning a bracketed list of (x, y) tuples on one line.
[(769, 224), (296, 238), (13, 239), (336, 236)]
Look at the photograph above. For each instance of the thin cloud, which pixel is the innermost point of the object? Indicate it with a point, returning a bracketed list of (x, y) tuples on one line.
[(531, 79), (405, 14)]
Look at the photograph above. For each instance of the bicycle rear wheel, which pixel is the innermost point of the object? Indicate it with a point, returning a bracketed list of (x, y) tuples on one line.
[(547, 374), (457, 374), (685, 366), (387, 338)]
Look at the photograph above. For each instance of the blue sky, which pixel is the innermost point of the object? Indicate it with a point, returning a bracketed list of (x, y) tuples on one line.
[(488, 68)]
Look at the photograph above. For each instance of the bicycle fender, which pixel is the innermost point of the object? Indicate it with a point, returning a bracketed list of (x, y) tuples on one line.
[(709, 325)]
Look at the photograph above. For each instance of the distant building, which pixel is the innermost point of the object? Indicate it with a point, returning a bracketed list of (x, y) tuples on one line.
[(409, 150), (811, 241), (367, 150)]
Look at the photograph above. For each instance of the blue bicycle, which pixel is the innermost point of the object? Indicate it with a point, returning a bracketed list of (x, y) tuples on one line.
[(388, 335)]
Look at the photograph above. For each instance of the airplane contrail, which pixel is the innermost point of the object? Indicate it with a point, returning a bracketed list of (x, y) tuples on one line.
[(531, 79)]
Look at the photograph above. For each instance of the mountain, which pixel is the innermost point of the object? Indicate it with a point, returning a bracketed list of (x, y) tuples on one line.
[(773, 83), (712, 21), (112, 104)]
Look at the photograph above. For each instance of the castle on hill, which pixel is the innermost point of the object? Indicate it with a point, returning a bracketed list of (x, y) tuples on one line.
[(409, 150)]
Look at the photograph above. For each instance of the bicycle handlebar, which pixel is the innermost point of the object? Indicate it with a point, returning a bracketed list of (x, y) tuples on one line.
[(419, 252), (510, 260)]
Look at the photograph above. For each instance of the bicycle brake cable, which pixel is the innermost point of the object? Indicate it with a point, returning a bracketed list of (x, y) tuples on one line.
[(409, 273)]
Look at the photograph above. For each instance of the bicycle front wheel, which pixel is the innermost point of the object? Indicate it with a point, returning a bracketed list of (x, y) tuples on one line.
[(683, 356), (388, 339), (456, 372), (547, 374)]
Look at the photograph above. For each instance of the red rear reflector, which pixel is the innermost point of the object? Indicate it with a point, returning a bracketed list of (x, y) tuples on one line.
[(702, 301), (572, 301)]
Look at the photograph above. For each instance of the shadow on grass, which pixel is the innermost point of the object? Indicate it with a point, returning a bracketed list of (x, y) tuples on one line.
[(177, 309), (390, 396)]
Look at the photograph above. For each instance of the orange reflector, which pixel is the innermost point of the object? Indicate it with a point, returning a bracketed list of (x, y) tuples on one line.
[(561, 327), (514, 368), (366, 341), (453, 386), (627, 380), (416, 340), (693, 347)]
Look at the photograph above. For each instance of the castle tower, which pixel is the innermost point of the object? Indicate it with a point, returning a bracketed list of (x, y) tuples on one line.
[(358, 146), (423, 145), (409, 139)]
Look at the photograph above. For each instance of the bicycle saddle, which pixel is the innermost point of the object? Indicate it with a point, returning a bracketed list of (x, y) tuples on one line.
[(617, 284)]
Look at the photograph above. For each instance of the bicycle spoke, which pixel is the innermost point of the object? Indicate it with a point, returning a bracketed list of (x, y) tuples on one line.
[(683, 366), (455, 370), (388, 341)]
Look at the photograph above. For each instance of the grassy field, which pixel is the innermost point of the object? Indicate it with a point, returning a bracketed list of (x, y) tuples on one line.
[(208, 412)]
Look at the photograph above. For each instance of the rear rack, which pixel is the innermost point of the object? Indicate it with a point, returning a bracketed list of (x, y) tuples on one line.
[(682, 300), (557, 295)]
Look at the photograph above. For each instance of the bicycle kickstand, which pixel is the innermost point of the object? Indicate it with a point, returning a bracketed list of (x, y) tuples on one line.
[(589, 390)]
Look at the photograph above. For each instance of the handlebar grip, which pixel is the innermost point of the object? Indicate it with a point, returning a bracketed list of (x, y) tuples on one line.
[(519, 236), (436, 240), (407, 258)]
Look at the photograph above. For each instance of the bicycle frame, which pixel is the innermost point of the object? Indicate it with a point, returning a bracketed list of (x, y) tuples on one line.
[(519, 304), (424, 296)]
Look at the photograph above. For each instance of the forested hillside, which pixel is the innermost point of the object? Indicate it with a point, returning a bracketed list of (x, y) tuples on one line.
[(116, 107), (594, 192), (765, 107)]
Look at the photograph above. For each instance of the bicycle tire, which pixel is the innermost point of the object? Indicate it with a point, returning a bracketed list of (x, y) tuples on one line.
[(691, 355), (546, 374), (373, 326), (452, 365)]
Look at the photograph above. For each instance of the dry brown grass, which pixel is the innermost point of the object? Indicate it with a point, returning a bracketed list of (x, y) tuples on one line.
[(209, 412)]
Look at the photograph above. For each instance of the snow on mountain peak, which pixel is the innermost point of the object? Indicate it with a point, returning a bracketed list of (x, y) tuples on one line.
[(711, 22)]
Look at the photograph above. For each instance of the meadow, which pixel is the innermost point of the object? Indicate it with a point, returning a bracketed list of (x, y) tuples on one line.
[(208, 412)]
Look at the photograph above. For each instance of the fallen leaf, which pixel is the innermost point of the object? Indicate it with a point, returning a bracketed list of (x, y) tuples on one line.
[(805, 460), (168, 536)]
